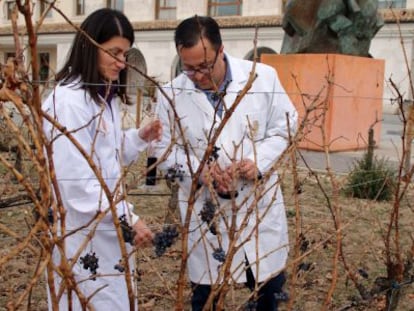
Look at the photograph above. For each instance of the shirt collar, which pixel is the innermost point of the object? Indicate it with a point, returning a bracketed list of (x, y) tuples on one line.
[(212, 95), (107, 94)]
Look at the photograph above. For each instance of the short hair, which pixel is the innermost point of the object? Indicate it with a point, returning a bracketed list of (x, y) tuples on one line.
[(189, 32), (82, 62)]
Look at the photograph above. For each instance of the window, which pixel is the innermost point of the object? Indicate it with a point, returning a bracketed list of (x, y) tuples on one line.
[(135, 80), (44, 5), (165, 9), (43, 67), (115, 4), (9, 9), (224, 7), (383, 4), (80, 7)]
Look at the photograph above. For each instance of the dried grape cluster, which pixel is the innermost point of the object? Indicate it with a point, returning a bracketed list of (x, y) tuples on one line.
[(164, 239), (207, 215), (127, 232), (219, 254), (90, 261), (175, 172)]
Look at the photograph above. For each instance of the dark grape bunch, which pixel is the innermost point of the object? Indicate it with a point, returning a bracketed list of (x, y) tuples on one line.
[(219, 254), (127, 232), (214, 154), (90, 261), (207, 215), (164, 239), (120, 266), (175, 172)]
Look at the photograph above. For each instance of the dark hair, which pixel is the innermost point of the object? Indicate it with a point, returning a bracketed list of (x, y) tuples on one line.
[(189, 32), (101, 25)]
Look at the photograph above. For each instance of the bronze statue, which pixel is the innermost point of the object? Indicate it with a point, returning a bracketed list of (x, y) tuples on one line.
[(330, 26)]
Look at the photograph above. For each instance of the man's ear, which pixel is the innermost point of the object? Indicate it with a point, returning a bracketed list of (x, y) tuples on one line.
[(221, 49)]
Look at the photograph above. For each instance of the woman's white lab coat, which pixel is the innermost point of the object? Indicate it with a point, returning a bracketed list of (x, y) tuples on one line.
[(97, 129), (257, 130)]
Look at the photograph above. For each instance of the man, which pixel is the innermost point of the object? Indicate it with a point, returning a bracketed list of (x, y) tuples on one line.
[(237, 227)]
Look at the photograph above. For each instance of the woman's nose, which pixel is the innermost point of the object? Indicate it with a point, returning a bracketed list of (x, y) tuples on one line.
[(120, 61)]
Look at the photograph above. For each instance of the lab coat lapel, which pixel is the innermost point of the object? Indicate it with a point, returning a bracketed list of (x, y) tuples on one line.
[(237, 84), (198, 98), (231, 132)]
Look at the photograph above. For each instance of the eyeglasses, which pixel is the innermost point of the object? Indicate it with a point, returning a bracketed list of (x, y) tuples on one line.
[(203, 69)]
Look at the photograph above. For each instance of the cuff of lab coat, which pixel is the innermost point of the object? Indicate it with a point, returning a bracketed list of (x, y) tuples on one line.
[(134, 219)]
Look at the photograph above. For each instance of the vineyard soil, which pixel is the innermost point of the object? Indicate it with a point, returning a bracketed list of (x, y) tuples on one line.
[(363, 225)]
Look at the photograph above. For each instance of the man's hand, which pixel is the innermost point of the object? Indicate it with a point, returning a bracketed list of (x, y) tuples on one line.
[(247, 169), (225, 179), (222, 178)]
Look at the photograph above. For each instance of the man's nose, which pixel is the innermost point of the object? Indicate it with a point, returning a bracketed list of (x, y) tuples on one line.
[(198, 75)]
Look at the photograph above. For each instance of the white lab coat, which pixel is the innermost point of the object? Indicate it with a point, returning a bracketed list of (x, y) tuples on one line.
[(257, 130), (97, 128)]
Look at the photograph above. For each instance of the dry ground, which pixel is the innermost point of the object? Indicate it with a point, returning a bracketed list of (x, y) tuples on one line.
[(363, 224)]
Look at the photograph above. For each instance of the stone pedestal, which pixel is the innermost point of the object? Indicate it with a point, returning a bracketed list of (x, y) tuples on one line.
[(350, 88)]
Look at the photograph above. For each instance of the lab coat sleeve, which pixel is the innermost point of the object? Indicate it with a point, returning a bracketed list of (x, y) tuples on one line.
[(278, 128), (81, 191), (132, 145)]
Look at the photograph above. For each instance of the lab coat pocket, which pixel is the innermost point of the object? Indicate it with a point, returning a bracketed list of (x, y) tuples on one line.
[(255, 123)]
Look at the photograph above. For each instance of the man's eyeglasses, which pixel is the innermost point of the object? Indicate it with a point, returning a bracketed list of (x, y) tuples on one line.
[(203, 69)]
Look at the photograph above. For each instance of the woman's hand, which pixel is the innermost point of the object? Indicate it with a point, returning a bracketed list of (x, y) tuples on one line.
[(151, 131), (143, 235)]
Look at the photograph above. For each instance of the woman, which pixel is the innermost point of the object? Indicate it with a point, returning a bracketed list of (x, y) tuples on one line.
[(84, 103)]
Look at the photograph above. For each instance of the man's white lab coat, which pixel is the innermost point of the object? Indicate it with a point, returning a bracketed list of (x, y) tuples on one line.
[(257, 130)]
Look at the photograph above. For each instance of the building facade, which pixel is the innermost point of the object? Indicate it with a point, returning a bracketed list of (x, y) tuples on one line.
[(154, 21)]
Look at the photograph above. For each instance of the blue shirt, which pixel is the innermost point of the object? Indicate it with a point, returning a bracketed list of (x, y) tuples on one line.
[(216, 98)]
